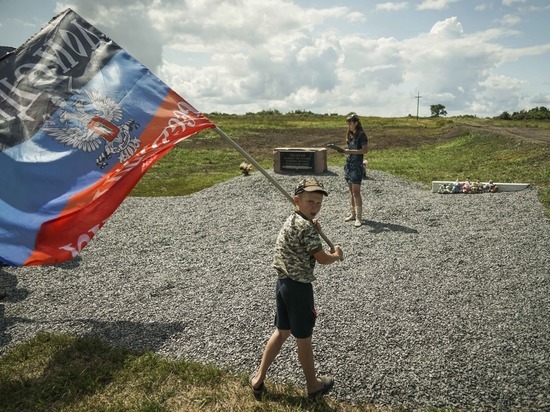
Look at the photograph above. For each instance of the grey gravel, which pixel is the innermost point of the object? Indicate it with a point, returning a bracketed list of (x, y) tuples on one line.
[(443, 301)]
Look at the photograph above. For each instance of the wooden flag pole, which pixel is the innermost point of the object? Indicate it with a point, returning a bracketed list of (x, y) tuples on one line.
[(267, 175)]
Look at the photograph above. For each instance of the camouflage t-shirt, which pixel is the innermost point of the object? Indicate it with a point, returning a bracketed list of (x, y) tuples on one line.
[(297, 242)]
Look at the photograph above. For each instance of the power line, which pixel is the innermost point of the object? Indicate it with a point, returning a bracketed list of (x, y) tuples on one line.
[(418, 97)]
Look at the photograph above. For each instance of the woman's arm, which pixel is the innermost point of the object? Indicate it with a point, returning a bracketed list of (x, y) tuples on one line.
[(363, 150)]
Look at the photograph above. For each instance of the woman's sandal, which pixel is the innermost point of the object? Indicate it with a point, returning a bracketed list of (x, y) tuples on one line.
[(260, 390), (328, 383)]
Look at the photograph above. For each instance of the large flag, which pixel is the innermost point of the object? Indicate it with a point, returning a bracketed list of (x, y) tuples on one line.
[(81, 121)]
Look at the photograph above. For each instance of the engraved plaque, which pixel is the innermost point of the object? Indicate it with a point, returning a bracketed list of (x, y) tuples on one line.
[(298, 160)]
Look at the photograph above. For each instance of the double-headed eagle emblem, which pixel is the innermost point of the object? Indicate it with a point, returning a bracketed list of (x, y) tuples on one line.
[(89, 120)]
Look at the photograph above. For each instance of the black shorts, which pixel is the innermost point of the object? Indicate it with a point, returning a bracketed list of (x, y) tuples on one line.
[(295, 308), (354, 173)]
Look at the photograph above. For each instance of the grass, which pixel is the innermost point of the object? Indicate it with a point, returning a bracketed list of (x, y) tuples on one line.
[(183, 171), (473, 156), (235, 124), (55, 372), (58, 372)]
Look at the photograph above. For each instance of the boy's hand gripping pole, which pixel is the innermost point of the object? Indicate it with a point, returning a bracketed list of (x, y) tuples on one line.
[(268, 176)]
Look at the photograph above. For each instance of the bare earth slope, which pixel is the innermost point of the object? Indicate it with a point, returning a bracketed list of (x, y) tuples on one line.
[(380, 137)]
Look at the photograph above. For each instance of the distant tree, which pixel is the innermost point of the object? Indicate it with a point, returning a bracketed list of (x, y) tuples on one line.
[(438, 110), (299, 112), (269, 112)]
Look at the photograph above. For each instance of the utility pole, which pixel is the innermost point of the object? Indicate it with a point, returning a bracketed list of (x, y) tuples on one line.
[(418, 97)]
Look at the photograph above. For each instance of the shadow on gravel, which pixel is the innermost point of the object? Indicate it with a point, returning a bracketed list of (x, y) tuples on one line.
[(379, 227), (8, 293), (135, 335), (71, 264), (8, 288)]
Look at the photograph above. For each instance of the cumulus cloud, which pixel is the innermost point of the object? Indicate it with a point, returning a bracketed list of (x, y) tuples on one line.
[(128, 23), (494, 92), (390, 6), (435, 4), (450, 27), (250, 55)]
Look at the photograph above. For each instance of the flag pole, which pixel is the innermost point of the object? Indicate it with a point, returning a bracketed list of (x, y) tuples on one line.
[(267, 175)]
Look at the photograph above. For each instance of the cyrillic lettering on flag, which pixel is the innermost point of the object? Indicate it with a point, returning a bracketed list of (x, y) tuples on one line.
[(81, 121)]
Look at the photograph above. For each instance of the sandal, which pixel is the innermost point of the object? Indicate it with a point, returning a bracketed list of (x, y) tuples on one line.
[(260, 390), (328, 383)]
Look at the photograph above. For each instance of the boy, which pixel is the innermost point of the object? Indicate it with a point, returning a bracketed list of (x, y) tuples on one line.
[(297, 249)]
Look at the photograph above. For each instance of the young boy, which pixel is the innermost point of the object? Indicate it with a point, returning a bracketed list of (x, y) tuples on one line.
[(297, 249)]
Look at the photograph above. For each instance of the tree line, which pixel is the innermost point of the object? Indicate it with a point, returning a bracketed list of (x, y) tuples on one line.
[(536, 113)]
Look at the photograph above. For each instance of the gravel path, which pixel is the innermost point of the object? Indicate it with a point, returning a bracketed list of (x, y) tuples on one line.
[(443, 301)]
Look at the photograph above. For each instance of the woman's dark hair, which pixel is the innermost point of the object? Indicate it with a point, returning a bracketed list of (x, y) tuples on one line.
[(355, 119)]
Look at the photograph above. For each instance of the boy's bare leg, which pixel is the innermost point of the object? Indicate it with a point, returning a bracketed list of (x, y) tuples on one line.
[(272, 349), (305, 356)]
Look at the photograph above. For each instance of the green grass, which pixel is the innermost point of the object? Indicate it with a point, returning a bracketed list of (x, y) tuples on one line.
[(58, 372), (475, 157), (183, 171), (472, 156)]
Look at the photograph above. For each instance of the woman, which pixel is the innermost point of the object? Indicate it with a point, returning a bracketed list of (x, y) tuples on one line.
[(356, 140)]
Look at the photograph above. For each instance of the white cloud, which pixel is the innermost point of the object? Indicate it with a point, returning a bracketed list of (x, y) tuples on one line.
[(495, 92), (512, 2), (353, 72), (450, 69), (435, 4), (127, 23), (536, 8), (390, 6), (510, 20), (450, 27), (250, 55), (355, 16), (510, 55)]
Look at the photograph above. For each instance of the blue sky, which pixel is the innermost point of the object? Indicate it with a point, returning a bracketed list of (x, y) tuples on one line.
[(236, 56)]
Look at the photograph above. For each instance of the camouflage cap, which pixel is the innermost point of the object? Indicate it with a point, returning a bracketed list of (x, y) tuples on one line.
[(310, 184)]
